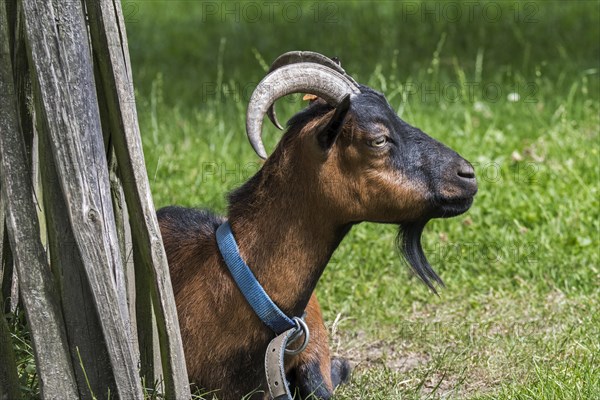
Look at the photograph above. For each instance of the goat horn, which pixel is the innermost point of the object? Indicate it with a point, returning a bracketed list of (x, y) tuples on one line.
[(302, 77), (294, 57)]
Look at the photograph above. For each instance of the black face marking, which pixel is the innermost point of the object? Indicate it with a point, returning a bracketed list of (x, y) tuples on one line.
[(417, 156)]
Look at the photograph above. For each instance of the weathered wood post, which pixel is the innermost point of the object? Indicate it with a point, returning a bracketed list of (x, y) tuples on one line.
[(66, 86)]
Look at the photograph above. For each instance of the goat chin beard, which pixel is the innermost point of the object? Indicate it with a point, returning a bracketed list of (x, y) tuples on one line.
[(408, 242)]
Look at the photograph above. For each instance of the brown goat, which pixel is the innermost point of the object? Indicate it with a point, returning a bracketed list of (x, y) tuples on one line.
[(343, 160)]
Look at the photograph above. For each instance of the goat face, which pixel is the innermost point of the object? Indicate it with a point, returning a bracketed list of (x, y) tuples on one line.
[(364, 163), (360, 158), (385, 170)]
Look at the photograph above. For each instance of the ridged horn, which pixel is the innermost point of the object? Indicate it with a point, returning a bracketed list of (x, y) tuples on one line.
[(294, 57), (303, 77)]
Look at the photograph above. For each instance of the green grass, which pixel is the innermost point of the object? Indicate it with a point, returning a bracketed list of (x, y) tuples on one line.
[(519, 316)]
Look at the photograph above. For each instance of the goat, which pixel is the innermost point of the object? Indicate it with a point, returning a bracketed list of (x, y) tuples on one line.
[(346, 158)]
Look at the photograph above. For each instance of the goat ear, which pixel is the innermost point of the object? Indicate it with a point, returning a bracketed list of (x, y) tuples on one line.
[(327, 135)]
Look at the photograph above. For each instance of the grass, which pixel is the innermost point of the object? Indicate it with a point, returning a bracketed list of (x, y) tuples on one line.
[(517, 94)]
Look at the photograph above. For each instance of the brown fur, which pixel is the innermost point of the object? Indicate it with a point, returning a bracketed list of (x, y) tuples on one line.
[(224, 341)]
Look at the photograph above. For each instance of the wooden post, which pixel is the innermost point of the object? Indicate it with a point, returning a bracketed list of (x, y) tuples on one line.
[(69, 114), (58, 44), (37, 286), (86, 341), (110, 47)]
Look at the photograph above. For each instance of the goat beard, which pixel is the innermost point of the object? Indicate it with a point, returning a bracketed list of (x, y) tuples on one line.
[(408, 242)]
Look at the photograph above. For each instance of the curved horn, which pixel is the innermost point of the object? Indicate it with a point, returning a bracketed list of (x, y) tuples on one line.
[(294, 57), (302, 77)]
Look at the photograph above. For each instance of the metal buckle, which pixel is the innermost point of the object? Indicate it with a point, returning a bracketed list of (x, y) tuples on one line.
[(301, 328)]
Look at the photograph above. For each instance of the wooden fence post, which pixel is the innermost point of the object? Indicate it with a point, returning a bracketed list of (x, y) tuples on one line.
[(110, 47), (69, 91), (37, 285)]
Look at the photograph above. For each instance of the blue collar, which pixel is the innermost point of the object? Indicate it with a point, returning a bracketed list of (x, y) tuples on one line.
[(259, 300)]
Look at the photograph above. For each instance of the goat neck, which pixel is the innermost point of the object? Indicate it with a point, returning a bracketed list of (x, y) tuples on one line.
[(285, 235)]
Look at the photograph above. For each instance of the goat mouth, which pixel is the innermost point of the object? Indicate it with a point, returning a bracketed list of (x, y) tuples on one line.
[(451, 207), (408, 242)]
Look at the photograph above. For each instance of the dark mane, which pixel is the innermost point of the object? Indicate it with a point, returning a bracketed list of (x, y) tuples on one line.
[(188, 222), (240, 199)]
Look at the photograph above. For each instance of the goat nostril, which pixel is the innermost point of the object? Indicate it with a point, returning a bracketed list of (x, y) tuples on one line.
[(466, 172)]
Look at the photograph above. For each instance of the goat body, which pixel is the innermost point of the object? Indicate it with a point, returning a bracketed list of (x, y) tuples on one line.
[(337, 165)]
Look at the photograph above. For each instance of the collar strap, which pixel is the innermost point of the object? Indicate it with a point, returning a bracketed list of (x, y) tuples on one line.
[(259, 300)]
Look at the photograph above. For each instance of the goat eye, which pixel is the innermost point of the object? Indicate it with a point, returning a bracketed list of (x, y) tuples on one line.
[(379, 142)]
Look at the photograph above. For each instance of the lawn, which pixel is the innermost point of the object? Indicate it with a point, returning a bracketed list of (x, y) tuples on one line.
[(512, 86)]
